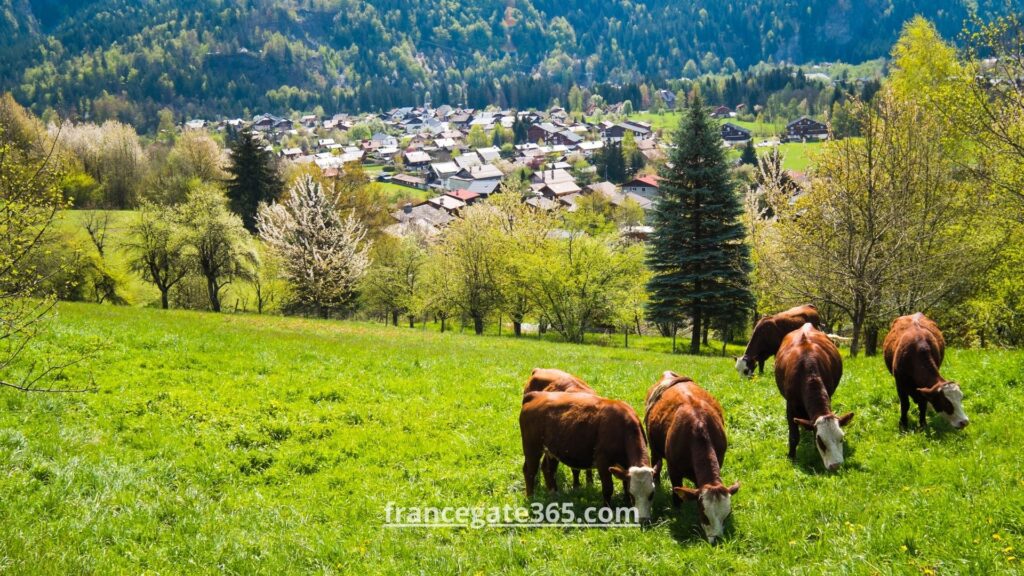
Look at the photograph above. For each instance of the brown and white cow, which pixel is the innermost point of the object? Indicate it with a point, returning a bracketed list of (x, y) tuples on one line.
[(587, 431), (554, 380), (807, 371), (685, 426), (768, 335), (914, 349)]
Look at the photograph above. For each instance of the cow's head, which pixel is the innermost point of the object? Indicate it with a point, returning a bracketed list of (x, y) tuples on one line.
[(715, 503), (639, 484), (948, 400), (745, 366), (828, 437)]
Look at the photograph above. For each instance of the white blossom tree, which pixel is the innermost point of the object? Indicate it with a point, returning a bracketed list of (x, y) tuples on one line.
[(323, 255)]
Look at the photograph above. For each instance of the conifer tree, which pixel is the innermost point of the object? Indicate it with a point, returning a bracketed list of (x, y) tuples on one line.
[(749, 156), (253, 178), (699, 261)]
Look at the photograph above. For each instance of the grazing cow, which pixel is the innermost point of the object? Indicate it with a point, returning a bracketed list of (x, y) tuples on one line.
[(587, 431), (553, 380), (914, 349), (768, 335), (685, 426), (807, 372)]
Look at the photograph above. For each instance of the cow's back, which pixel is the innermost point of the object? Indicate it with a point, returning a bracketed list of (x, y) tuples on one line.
[(771, 330), (553, 380), (574, 427), (805, 353), (913, 342), (682, 413)]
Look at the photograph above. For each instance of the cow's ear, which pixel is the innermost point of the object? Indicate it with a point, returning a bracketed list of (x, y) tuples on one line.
[(805, 423), (686, 493), (930, 391), (619, 472), (845, 419), (734, 488)]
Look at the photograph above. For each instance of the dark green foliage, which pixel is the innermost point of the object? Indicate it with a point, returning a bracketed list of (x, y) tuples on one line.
[(611, 166), (697, 255), (254, 178), (127, 60), (749, 155)]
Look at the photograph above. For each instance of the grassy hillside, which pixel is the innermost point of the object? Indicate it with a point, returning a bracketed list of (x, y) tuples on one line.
[(259, 445)]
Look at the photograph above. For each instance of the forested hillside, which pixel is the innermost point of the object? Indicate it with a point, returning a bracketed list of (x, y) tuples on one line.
[(128, 59)]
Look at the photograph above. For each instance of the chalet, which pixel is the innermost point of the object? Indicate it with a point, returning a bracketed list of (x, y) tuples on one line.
[(645, 186), (195, 124), (551, 177), (804, 129), (616, 132), (559, 189), (721, 112), (449, 204), (326, 142), (541, 133), (424, 218), (733, 134), (442, 171), (309, 120), (467, 176), (668, 98), (483, 188), (291, 153), (417, 159), (381, 140), (409, 181), (489, 154), (589, 147), (543, 204), (468, 160), (464, 195)]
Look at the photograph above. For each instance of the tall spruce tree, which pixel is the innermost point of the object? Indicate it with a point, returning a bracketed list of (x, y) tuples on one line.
[(699, 260), (253, 180), (749, 155)]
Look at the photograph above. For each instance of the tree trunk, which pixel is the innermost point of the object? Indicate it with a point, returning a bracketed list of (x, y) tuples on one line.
[(626, 335), (674, 330), (858, 325), (706, 331), (695, 333), (211, 288), (394, 317), (442, 324), (517, 327), (478, 326), (871, 340), (412, 321), (725, 341), (164, 301)]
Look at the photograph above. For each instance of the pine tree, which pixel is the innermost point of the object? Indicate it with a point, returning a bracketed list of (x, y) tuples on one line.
[(253, 180), (749, 156), (697, 254)]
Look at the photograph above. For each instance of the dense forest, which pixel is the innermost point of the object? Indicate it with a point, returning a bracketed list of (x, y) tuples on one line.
[(104, 59)]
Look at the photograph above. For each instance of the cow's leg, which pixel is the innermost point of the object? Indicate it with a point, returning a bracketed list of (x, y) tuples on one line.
[(607, 484), (549, 465), (676, 479), (923, 407), (904, 408), (531, 461), (760, 366), (794, 433), (656, 460), (590, 477)]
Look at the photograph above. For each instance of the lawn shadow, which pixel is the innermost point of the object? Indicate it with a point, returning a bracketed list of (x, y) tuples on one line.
[(684, 521)]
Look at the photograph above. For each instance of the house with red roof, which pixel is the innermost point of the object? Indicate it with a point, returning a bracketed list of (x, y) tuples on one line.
[(646, 186)]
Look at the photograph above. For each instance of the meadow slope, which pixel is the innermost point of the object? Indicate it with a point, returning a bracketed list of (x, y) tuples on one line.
[(263, 445)]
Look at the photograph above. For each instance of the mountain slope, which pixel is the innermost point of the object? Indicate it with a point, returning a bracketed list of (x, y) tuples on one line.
[(129, 58)]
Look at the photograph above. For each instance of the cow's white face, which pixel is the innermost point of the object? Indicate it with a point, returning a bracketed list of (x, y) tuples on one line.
[(716, 507), (955, 397), (745, 366), (828, 438), (641, 489)]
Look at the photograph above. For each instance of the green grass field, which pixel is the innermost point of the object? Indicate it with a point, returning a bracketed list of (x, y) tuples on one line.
[(263, 445)]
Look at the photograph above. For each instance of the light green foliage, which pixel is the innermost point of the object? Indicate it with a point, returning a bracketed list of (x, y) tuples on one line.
[(269, 445)]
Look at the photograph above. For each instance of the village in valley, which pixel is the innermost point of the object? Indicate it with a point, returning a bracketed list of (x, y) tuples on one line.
[(434, 162)]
